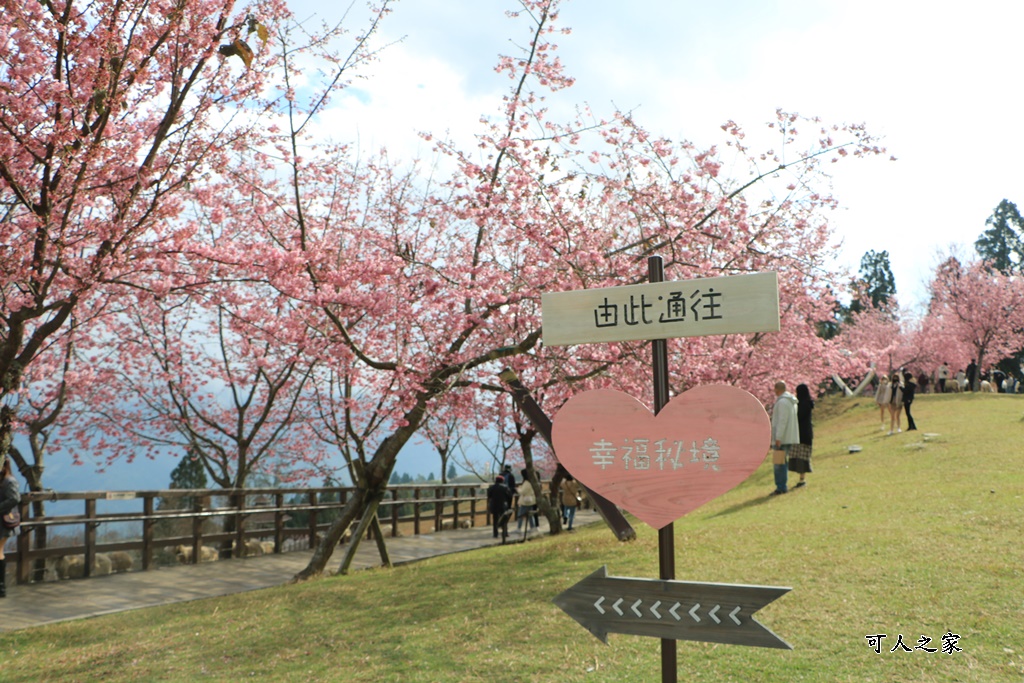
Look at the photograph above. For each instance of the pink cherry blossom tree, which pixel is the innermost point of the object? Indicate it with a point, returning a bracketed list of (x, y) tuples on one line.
[(109, 112), (194, 375), (418, 289), (982, 305)]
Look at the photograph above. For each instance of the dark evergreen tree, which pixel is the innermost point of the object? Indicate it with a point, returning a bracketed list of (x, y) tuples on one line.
[(452, 473), (1002, 245), (189, 473), (875, 282)]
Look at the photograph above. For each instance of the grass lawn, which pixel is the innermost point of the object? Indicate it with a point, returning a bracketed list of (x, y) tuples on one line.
[(918, 534)]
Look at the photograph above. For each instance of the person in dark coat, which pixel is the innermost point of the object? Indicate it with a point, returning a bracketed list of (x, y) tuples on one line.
[(908, 397), (800, 454), (499, 504), (510, 479), (9, 499), (972, 376)]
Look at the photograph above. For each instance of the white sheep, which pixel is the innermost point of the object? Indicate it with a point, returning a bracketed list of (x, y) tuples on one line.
[(206, 554), (121, 561), (252, 548), (73, 566)]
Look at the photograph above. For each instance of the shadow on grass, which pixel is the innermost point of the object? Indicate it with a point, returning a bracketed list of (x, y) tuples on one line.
[(743, 506)]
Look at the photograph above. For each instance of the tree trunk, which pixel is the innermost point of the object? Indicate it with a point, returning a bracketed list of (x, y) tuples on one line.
[(326, 547)]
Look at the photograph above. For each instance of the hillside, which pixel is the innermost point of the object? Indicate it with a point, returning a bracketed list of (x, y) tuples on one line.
[(917, 535)]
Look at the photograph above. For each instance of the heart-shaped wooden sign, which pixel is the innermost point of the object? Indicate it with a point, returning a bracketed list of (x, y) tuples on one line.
[(702, 443)]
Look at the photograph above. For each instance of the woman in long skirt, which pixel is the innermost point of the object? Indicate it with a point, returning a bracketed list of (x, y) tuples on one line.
[(800, 454)]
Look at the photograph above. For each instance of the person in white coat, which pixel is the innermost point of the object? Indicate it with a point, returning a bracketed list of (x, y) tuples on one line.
[(785, 433)]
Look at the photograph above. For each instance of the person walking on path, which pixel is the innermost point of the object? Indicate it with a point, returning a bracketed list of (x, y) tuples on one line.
[(570, 499), (895, 403), (9, 499), (527, 505), (882, 398), (909, 387), (499, 504), (510, 479), (800, 454), (785, 433)]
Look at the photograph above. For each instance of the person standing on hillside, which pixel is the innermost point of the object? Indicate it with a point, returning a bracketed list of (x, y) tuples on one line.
[(941, 375), (9, 499), (972, 376), (909, 388), (882, 397), (895, 402), (785, 433), (800, 454)]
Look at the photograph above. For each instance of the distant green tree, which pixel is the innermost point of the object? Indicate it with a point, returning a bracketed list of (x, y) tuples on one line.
[(452, 473), (189, 473), (874, 283), (1002, 245), (406, 478)]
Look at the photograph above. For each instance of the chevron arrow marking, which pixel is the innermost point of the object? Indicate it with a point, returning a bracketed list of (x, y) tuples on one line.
[(583, 602)]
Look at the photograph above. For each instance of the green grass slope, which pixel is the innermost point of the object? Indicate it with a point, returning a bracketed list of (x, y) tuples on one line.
[(918, 534)]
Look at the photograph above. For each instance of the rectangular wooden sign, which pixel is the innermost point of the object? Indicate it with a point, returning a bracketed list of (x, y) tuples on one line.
[(120, 495), (735, 304)]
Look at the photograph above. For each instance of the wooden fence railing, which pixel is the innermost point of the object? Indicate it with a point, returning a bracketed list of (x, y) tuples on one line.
[(223, 519)]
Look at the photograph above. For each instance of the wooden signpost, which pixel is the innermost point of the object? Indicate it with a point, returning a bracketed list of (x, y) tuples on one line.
[(660, 466), (663, 310), (680, 610)]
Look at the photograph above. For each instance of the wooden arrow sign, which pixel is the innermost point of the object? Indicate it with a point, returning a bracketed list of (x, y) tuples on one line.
[(675, 610)]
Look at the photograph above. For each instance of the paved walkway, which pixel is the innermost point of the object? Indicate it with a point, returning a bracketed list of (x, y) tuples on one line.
[(44, 603)]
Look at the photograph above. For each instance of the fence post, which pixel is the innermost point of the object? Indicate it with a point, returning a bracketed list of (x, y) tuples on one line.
[(22, 570), (147, 531), (197, 529), (395, 509), (416, 511), (455, 507), (239, 504), (279, 523), (312, 519), (90, 536)]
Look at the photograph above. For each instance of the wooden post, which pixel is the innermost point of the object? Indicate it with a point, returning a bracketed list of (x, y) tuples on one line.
[(416, 511), (666, 534), (238, 550), (278, 523), (23, 570), (197, 529), (395, 508), (455, 508), (90, 536), (147, 532), (312, 519)]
